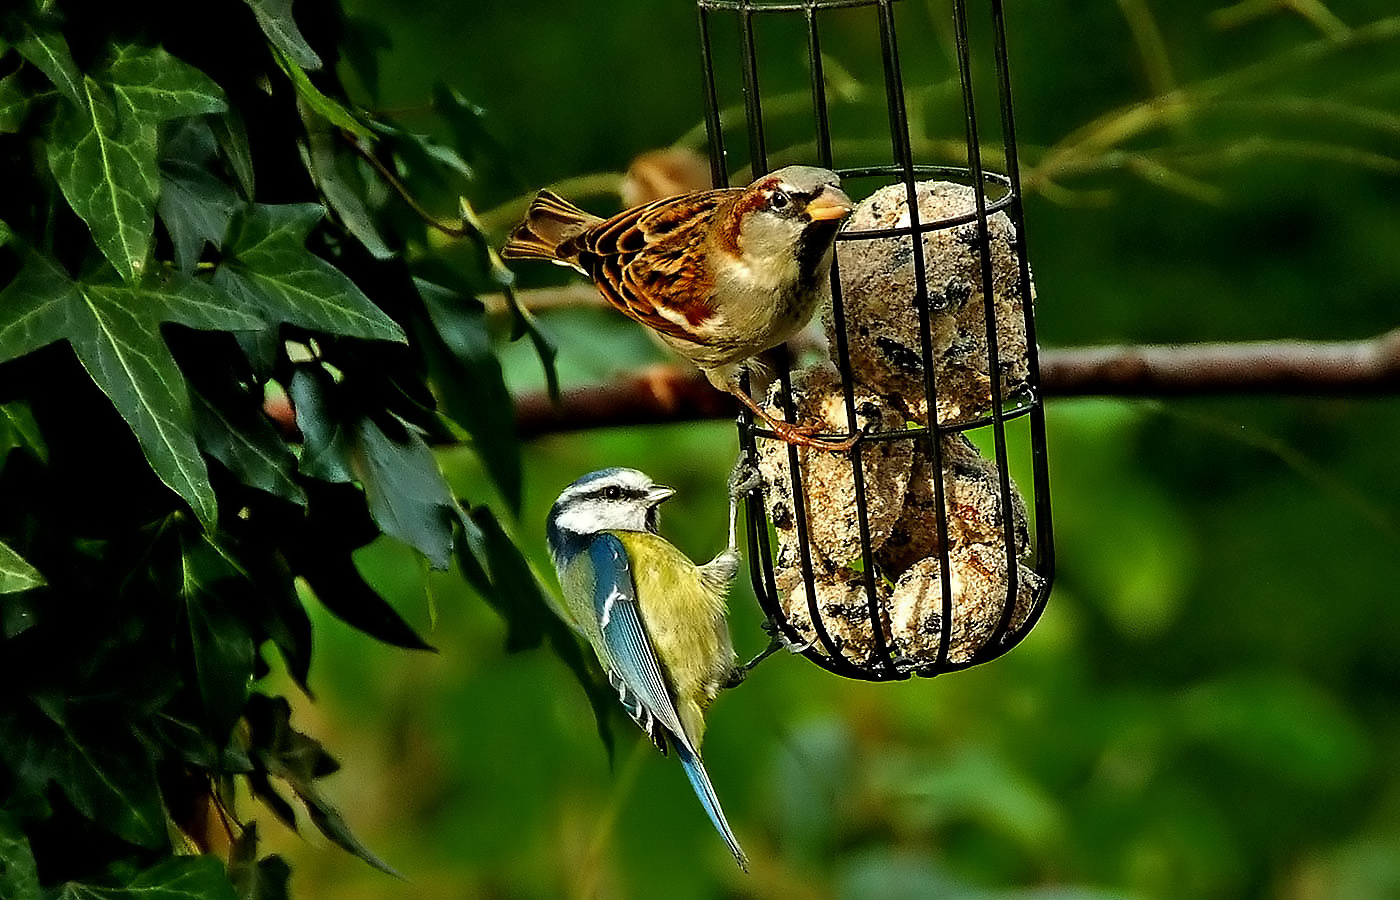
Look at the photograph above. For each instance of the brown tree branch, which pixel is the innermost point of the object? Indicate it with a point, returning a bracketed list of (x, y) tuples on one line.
[(665, 394)]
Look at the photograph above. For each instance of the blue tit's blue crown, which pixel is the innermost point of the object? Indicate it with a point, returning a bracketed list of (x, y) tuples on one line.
[(615, 498)]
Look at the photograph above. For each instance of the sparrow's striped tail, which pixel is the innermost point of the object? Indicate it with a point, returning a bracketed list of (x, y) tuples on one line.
[(700, 780), (549, 223)]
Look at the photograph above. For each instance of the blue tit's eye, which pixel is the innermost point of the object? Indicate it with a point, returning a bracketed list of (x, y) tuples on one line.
[(612, 492), (780, 200)]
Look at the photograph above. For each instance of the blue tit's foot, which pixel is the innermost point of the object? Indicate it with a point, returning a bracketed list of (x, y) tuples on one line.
[(721, 570), (776, 641), (739, 673), (744, 479)]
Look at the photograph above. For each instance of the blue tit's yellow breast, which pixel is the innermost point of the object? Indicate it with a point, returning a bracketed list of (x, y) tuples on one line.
[(685, 618)]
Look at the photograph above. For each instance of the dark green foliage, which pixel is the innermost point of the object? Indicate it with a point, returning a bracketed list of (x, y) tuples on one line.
[(195, 231)]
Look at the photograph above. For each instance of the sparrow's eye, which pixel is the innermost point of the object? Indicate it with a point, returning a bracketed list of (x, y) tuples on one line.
[(780, 200), (612, 492)]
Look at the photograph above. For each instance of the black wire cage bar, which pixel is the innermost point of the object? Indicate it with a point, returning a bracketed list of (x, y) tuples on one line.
[(856, 634)]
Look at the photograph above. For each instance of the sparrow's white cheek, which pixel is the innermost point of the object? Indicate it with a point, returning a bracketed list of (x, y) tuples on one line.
[(768, 250)]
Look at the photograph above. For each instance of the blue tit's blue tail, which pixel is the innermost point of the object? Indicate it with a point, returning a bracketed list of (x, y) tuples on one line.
[(700, 780)]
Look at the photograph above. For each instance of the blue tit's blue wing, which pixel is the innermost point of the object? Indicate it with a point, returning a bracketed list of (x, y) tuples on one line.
[(635, 671), (631, 660)]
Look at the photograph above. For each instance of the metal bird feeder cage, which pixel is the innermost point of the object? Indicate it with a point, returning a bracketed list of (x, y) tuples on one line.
[(913, 552)]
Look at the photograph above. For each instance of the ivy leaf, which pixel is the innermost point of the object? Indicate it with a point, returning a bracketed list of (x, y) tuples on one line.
[(104, 772), (299, 760), (275, 20), (222, 647), (106, 167), (16, 574), (153, 86), (326, 450), (115, 332), (255, 879), (470, 384), (268, 269), (343, 187), (319, 547), (19, 431), (240, 437), (232, 136), (347, 596), (176, 878), (195, 206), (406, 492), (102, 152), (331, 110), (48, 51), (19, 875), (14, 104)]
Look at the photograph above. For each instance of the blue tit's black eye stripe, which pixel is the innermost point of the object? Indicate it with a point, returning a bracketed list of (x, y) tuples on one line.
[(614, 492)]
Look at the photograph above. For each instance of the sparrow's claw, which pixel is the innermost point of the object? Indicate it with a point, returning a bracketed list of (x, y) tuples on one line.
[(806, 436)]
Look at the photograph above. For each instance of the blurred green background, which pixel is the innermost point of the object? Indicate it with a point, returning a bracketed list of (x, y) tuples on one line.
[(1207, 708)]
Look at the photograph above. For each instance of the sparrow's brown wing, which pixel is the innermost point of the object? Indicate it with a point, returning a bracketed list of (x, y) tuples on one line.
[(649, 261)]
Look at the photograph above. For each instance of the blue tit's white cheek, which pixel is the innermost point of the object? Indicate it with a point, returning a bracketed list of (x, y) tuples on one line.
[(591, 516)]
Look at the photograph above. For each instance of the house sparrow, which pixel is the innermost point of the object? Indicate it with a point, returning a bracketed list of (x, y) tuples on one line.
[(721, 275)]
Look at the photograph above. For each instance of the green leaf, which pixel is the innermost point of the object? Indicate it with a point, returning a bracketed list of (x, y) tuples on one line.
[(102, 152), (14, 104), (275, 19), (523, 322), (268, 269), (175, 878), (331, 110), (320, 551), (232, 136), (106, 167), (19, 431), (16, 574), (105, 772), (223, 649), (343, 187), (48, 51), (19, 875), (299, 760), (115, 332), (152, 85), (347, 596), (406, 492), (195, 206), (470, 384), (326, 450), (5, 234), (240, 437), (518, 595), (255, 879), (332, 824)]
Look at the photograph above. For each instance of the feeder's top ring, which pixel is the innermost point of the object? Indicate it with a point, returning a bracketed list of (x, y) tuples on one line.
[(952, 172), (785, 5)]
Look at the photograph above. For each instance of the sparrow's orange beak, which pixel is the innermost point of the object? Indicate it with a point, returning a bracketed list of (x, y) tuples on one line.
[(831, 203)]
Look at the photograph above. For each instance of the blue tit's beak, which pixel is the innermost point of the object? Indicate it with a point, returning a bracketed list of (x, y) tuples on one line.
[(658, 494)]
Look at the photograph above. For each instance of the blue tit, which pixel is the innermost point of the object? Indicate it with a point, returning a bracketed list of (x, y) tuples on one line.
[(655, 619)]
